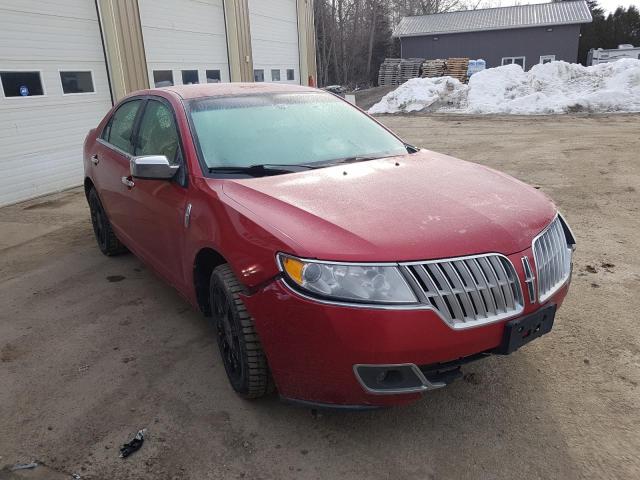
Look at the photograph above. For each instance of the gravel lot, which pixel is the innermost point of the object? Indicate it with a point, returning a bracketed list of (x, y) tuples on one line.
[(94, 348)]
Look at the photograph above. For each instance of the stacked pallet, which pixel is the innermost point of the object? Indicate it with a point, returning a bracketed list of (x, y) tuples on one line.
[(433, 68), (457, 68), (396, 71), (389, 73), (410, 68)]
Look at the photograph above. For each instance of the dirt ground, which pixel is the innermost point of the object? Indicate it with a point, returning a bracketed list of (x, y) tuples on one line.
[(365, 99), (94, 348)]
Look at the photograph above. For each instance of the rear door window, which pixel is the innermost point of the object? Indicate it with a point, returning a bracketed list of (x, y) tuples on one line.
[(158, 134), (119, 130)]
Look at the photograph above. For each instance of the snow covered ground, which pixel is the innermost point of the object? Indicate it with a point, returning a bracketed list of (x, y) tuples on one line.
[(556, 87)]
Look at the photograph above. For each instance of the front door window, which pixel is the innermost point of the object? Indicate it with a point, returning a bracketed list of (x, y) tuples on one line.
[(158, 134)]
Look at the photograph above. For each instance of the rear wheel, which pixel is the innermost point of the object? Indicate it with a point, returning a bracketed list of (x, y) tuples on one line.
[(107, 240), (240, 348)]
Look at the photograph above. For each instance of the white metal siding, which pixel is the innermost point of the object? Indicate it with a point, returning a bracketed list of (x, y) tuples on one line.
[(41, 137), (274, 37), (184, 35)]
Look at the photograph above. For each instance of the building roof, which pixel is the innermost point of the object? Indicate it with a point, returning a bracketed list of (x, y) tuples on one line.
[(501, 18)]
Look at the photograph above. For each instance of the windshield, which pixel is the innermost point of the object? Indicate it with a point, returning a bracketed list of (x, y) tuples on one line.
[(285, 129)]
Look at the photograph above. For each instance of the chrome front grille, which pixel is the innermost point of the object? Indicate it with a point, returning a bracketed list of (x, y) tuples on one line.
[(469, 291), (552, 255)]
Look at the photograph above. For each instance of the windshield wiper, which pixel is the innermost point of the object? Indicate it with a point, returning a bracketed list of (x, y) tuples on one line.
[(356, 159), (359, 159), (278, 169), (410, 148), (263, 169)]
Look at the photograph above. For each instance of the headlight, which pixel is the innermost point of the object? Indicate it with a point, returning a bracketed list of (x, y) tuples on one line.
[(347, 282)]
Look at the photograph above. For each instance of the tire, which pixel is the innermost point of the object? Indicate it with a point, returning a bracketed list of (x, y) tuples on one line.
[(107, 240), (244, 360)]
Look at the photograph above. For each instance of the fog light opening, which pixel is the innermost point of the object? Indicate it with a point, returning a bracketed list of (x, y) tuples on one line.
[(390, 378)]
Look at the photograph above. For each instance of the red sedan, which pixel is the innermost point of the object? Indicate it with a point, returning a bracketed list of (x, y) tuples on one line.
[(338, 264)]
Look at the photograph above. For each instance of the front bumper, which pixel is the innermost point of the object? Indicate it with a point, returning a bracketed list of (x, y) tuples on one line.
[(313, 348)]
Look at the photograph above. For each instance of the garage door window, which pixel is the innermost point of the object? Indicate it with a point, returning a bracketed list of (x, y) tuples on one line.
[(258, 75), (213, 76), (291, 74), (77, 82), (119, 130), (21, 84), (189, 77), (162, 78), (275, 75)]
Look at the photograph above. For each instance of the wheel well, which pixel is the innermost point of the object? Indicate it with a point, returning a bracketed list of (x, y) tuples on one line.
[(88, 185), (206, 260)]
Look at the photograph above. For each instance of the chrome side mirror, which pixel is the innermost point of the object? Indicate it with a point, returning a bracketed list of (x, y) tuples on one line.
[(152, 167)]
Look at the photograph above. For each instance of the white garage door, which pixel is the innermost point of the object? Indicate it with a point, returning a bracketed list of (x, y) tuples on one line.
[(274, 40), (185, 41), (54, 89)]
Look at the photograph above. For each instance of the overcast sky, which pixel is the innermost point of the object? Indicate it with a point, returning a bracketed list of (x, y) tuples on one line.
[(611, 5), (607, 5)]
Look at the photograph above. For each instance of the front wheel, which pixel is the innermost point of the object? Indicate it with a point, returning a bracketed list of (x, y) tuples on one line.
[(240, 348)]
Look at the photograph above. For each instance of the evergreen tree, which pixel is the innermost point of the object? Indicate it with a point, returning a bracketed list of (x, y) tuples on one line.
[(617, 28)]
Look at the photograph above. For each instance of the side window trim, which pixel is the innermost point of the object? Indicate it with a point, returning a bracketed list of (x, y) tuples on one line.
[(136, 124), (114, 148), (106, 131)]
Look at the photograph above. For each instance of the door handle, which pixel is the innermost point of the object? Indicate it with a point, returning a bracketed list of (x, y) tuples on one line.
[(94, 159), (128, 182), (187, 216)]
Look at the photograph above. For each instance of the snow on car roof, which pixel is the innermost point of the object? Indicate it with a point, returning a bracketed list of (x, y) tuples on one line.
[(223, 89)]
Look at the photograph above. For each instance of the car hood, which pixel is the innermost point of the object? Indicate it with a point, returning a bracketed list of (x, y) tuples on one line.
[(413, 207)]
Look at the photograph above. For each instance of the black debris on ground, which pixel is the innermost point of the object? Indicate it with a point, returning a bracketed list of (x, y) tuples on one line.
[(134, 445)]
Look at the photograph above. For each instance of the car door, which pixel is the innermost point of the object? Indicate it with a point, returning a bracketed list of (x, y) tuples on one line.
[(157, 207), (110, 158)]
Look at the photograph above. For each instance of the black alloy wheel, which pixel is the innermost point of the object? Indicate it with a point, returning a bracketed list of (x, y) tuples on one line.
[(244, 360), (107, 240)]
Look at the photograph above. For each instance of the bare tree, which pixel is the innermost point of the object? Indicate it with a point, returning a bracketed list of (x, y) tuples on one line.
[(354, 36)]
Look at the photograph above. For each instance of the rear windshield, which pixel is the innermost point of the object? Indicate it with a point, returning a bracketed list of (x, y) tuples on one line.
[(285, 129)]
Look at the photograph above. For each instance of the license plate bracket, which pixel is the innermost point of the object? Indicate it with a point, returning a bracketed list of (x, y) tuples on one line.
[(523, 330)]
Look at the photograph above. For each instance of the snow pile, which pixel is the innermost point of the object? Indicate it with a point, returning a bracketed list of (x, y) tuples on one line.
[(423, 93), (555, 87)]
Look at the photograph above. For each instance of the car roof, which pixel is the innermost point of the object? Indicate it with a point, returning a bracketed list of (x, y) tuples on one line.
[(187, 92)]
